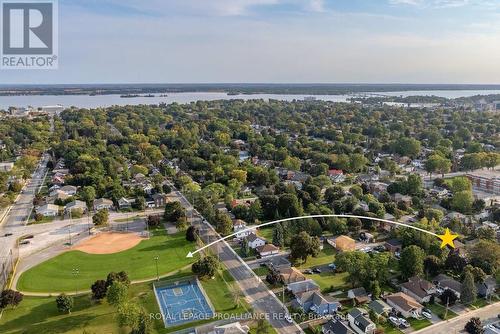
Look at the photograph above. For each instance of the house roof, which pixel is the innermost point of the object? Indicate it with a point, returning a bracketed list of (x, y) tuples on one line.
[(394, 242), (252, 237), (233, 328), (337, 327), (379, 306), (403, 301), (359, 317), (76, 204), (291, 275), (267, 248), (448, 282), (278, 261), (303, 286), (358, 292), (100, 201), (418, 286)]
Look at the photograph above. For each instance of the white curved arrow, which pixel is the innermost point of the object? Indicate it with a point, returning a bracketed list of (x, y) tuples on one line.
[(190, 254)]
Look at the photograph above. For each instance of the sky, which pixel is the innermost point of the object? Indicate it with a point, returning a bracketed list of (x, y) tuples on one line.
[(274, 41)]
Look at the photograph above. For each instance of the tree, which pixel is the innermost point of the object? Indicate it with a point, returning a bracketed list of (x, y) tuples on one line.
[(99, 289), (354, 225), (192, 233), (245, 249), (412, 261), (263, 327), (88, 195), (154, 221), (101, 217), (474, 326), (303, 245), (469, 290), (289, 206), (206, 267), (133, 316), (438, 164), (10, 298), (448, 297), (174, 211), (117, 293), (337, 226), (278, 236), (64, 303), (432, 265), (121, 276), (462, 201), (485, 255), (223, 224)]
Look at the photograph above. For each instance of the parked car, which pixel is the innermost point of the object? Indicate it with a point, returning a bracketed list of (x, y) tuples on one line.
[(394, 321), (7, 234), (403, 323), (24, 242), (288, 318), (332, 266), (427, 315), (317, 270), (427, 310), (308, 272)]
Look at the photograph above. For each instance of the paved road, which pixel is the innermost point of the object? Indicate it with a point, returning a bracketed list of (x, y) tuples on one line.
[(261, 298), (19, 212), (456, 325)]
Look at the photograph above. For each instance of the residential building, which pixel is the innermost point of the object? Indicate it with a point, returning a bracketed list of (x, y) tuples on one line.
[(254, 241), (159, 199), (486, 181), (393, 245), (405, 304), (379, 307), (75, 205), (125, 203), (315, 302), (360, 322), (402, 198), (48, 210), (6, 166), (342, 243), (336, 326), (69, 190), (487, 288), (232, 328), (298, 288), (419, 289), (240, 225), (358, 295), (278, 263), (267, 250), (103, 203), (445, 282), (291, 275)]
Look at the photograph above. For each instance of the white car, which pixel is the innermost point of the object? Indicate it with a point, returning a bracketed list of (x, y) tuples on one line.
[(394, 321), (403, 322), (427, 315), (288, 318)]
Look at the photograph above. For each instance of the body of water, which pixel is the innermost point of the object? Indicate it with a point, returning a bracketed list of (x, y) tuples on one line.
[(86, 101)]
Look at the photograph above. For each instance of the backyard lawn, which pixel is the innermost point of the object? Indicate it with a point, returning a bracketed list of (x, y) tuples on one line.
[(325, 256), (56, 274), (329, 280)]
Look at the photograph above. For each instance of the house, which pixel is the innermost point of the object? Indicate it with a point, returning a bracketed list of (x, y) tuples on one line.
[(360, 322), (445, 282), (419, 289), (58, 195), (6, 166), (402, 198), (405, 304), (336, 326), (487, 288), (393, 245), (254, 241), (359, 295), (291, 275), (159, 200), (69, 190), (342, 243), (278, 263), (336, 175), (298, 288), (379, 307), (48, 210), (232, 328), (240, 225), (125, 203), (377, 188), (103, 203), (314, 301), (75, 205), (267, 250)]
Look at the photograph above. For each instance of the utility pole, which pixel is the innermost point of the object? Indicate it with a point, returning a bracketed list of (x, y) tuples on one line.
[(76, 272), (157, 272)]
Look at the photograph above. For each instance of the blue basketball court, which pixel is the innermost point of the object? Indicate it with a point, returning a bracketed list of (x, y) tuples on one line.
[(183, 302)]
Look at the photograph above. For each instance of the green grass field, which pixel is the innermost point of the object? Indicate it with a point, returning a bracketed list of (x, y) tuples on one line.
[(328, 280), (325, 256), (39, 314), (56, 274), (417, 324), (440, 311)]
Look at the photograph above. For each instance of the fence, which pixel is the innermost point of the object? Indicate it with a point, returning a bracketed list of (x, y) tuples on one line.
[(7, 268)]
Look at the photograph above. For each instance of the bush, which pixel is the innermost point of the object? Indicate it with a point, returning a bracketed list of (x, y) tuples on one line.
[(99, 289), (64, 303), (10, 298)]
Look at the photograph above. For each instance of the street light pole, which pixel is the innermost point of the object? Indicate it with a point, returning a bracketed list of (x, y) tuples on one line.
[(157, 272), (76, 271)]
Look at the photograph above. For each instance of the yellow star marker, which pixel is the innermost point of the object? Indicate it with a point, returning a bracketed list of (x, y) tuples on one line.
[(447, 238)]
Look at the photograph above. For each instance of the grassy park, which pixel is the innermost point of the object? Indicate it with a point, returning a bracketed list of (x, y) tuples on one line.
[(56, 275)]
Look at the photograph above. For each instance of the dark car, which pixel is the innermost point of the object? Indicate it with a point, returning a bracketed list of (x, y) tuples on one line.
[(317, 270), (308, 271), (7, 234)]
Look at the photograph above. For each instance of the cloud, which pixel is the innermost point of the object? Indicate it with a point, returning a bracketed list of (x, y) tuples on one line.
[(435, 3)]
